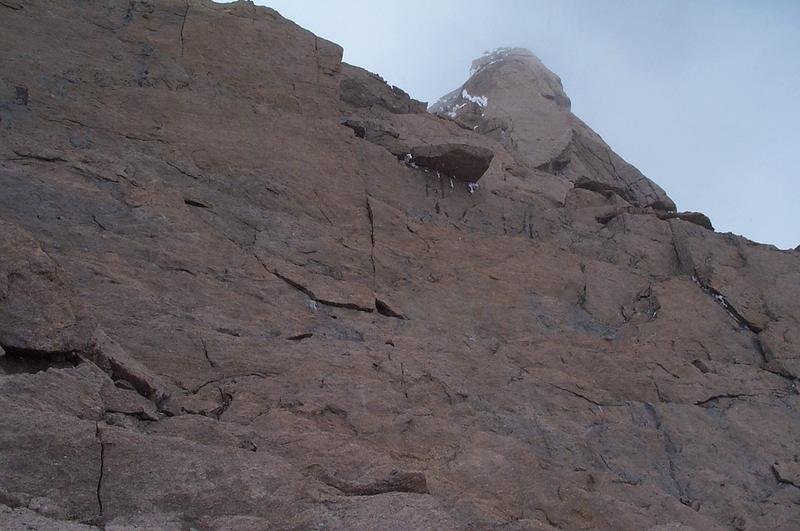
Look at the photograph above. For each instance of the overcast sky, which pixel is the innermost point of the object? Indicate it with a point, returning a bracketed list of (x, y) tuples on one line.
[(702, 96)]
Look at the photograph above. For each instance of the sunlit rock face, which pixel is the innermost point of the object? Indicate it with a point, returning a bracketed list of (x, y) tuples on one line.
[(243, 286)]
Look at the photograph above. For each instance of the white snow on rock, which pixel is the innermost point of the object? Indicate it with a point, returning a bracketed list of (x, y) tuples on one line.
[(481, 101), (451, 104), (490, 58), (454, 110)]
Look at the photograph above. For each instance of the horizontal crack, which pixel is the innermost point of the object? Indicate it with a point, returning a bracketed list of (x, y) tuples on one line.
[(260, 375), (573, 393), (398, 481), (39, 157), (17, 359), (716, 398), (196, 203), (310, 294)]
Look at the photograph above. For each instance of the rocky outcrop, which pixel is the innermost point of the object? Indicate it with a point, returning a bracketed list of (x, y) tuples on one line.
[(462, 161), (360, 89), (698, 218), (227, 301), (513, 98)]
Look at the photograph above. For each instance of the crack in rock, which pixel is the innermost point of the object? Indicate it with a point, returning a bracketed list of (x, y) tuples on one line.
[(371, 217), (669, 450), (385, 310), (300, 337), (183, 25), (233, 378), (712, 401), (42, 157), (397, 481), (725, 303), (196, 203), (25, 360), (211, 362), (99, 436), (582, 397), (310, 294), (11, 4)]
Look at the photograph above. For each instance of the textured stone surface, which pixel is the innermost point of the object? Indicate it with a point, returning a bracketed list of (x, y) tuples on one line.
[(228, 302)]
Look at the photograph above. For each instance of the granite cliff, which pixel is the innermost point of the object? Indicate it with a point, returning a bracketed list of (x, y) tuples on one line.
[(244, 285)]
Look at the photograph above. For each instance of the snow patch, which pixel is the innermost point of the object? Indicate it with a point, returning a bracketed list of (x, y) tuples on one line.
[(454, 102), (489, 58), (481, 101), (453, 112)]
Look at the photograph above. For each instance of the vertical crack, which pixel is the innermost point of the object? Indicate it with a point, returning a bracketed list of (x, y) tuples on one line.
[(527, 223), (319, 199), (582, 294), (682, 265), (128, 14), (183, 24), (225, 400), (669, 449), (205, 352), (614, 168), (371, 217), (98, 435), (403, 379)]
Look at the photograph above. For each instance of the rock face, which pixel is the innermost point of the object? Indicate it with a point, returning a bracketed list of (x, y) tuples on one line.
[(513, 98), (227, 301)]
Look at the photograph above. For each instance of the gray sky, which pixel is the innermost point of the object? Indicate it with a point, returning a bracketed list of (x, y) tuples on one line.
[(702, 96)]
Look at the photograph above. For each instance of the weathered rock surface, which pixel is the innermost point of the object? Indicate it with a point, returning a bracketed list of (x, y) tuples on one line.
[(227, 302)]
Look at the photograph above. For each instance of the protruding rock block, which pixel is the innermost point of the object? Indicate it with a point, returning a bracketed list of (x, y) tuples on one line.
[(698, 218), (462, 161), (361, 89), (780, 342), (112, 358), (603, 188)]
